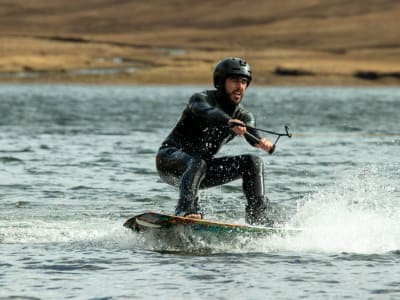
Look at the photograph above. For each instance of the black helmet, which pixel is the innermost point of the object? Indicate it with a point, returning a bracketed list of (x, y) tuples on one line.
[(231, 66)]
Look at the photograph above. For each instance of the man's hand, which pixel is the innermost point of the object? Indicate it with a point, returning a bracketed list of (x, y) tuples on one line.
[(237, 129), (265, 145)]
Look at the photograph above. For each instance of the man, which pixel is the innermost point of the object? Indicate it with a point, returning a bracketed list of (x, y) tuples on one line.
[(211, 119)]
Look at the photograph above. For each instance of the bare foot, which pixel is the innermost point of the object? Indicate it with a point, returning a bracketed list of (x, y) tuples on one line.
[(193, 216)]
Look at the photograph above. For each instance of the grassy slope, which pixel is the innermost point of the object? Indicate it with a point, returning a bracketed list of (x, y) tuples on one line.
[(329, 39)]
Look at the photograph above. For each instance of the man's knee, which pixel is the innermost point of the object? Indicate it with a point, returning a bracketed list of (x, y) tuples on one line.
[(196, 170), (254, 162)]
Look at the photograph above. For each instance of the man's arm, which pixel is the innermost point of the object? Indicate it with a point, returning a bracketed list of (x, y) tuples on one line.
[(200, 107)]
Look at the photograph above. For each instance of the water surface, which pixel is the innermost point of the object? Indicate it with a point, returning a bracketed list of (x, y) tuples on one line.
[(77, 161)]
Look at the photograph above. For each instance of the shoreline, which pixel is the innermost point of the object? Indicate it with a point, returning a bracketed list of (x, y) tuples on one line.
[(275, 82), (121, 73), (292, 68), (95, 83)]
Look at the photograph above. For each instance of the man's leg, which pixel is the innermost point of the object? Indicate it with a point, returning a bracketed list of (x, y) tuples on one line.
[(179, 168), (189, 187), (251, 169)]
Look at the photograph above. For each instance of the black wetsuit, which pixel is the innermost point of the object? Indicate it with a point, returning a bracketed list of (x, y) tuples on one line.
[(186, 157)]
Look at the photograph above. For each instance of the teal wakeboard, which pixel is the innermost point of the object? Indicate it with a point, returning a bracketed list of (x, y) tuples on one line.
[(152, 221)]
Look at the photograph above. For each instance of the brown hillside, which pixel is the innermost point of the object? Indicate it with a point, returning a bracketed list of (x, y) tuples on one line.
[(309, 42)]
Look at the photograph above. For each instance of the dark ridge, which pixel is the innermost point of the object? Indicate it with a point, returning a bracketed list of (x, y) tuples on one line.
[(292, 72), (374, 75), (87, 41), (69, 39)]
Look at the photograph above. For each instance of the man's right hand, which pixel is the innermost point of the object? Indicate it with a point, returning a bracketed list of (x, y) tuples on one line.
[(237, 129)]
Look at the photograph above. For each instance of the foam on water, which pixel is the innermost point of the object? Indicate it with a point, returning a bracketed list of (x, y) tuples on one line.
[(101, 233), (360, 214)]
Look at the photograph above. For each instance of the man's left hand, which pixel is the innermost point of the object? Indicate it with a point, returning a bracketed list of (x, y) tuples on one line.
[(265, 144)]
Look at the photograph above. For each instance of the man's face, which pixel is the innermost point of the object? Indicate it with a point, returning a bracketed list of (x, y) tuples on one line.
[(235, 88)]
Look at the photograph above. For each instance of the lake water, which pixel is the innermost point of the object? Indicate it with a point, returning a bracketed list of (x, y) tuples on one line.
[(77, 161)]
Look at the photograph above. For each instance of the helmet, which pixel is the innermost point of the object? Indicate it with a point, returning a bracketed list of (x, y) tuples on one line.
[(231, 66)]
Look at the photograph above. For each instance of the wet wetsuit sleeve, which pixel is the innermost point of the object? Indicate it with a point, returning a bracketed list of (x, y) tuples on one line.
[(200, 107), (250, 121)]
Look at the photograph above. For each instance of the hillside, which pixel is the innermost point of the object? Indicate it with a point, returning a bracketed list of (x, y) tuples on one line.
[(307, 42)]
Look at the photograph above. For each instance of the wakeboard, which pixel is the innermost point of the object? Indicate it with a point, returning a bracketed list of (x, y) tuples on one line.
[(153, 221)]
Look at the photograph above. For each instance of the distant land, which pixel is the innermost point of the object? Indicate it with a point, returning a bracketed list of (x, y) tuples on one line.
[(288, 42)]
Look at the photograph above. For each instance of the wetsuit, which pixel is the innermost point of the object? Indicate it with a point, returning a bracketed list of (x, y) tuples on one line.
[(186, 157)]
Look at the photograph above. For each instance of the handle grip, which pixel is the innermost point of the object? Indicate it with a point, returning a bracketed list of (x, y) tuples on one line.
[(256, 140), (272, 149), (252, 137)]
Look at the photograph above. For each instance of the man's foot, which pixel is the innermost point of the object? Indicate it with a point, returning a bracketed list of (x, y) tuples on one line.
[(189, 215), (258, 213), (263, 221), (194, 216)]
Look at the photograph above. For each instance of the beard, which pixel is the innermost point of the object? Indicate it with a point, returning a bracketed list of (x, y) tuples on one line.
[(235, 97)]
